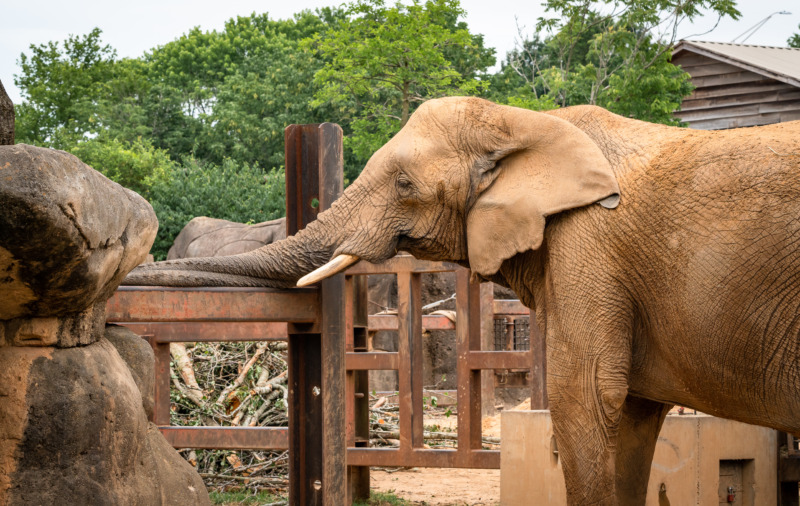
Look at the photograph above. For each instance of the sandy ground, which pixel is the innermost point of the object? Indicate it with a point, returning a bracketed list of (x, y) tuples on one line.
[(440, 487)]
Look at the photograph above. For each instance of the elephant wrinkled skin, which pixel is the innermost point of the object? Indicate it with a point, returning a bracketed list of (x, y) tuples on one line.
[(687, 292)]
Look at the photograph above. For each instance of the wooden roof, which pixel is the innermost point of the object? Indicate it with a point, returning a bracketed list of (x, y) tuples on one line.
[(779, 63), (738, 85)]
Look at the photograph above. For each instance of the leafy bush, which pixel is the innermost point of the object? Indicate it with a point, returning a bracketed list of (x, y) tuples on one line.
[(231, 191), (132, 165)]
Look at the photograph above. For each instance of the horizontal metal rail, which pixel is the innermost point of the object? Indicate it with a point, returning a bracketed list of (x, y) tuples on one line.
[(167, 315), (166, 304)]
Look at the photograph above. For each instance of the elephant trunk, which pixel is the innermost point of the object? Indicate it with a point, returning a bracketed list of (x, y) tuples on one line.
[(277, 265)]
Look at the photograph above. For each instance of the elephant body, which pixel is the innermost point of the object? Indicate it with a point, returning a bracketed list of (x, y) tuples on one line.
[(681, 287), (688, 293), (212, 237)]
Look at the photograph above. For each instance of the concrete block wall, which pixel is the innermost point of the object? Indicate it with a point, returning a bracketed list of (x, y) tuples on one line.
[(697, 457)]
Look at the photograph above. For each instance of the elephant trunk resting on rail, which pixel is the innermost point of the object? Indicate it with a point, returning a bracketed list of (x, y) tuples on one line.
[(682, 287)]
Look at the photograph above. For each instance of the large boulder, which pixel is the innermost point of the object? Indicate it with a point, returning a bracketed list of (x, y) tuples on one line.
[(68, 235), (73, 431), (73, 422), (141, 361), (211, 237)]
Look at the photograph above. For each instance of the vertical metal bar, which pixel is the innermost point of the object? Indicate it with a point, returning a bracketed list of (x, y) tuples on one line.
[(334, 444), (538, 365), (302, 175), (162, 381), (409, 317), (486, 322), (332, 296), (305, 419), (468, 337), (358, 385), (349, 345)]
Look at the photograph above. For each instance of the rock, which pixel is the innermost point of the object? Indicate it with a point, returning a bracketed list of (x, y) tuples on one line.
[(210, 237), (68, 236), (73, 423), (72, 431), (139, 357)]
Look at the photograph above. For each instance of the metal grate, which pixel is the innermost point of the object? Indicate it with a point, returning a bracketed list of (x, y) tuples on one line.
[(522, 334), (500, 341), (512, 335)]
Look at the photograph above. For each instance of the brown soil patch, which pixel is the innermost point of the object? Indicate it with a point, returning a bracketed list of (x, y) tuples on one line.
[(440, 487), (430, 486)]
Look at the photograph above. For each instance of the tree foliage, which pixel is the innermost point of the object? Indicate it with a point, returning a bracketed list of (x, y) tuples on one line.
[(613, 53), (61, 88), (230, 191), (133, 165), (382, 61), (794, 40)]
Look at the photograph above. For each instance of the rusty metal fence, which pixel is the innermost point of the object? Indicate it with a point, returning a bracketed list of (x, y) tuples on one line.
[(326, 327)]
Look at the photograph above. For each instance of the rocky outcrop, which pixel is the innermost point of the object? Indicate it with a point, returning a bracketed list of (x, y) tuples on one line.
[(82, 436), (6, 118), (73, 425), (68, 235)]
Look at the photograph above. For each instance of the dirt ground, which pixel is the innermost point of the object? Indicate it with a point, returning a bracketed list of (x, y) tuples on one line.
[(440, 487)]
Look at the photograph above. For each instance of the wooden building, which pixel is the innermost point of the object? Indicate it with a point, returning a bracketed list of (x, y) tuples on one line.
[(738, 85)]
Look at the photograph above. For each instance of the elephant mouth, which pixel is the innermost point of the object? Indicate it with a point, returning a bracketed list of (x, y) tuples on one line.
[(347, 256)]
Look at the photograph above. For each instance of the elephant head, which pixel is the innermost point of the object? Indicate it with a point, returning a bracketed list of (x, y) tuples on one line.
[(465, 180)]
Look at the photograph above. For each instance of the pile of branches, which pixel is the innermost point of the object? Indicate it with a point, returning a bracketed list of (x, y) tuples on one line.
[(232, 384), (384, 421)]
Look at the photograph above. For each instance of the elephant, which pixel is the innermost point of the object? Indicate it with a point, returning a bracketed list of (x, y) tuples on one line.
[(212, 237), (663, 263)]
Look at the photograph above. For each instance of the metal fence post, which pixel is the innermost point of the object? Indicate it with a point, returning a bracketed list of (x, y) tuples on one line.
[(317, 444)]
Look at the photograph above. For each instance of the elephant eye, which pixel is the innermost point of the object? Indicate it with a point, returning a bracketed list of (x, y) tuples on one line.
[(404, 186)]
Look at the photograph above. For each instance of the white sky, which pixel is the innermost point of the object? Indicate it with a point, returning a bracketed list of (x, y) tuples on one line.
[(132, 27)]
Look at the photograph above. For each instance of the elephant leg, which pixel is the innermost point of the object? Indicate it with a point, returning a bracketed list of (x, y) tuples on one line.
[(638, 434), (587, 390)]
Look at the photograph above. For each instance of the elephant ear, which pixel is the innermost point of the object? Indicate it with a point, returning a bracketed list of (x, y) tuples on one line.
[(543, 165)]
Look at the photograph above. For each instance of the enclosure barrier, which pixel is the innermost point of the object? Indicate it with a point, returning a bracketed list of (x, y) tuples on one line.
[(326, 326)]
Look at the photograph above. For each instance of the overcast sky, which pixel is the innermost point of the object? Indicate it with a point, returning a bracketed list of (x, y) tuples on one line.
[(133, 27)]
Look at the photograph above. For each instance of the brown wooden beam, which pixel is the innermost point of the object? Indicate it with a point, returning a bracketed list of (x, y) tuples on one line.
[(419, 457)]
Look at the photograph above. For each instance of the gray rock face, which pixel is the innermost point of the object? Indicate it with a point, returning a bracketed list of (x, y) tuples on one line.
[(210, 237), (73, 431), (68, 234), (73, 423), (139, 357)]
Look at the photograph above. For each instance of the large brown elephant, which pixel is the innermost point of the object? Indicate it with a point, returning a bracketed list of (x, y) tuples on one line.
[(686, 292)]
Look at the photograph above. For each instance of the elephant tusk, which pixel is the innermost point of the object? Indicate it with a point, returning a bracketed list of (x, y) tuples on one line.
[(338, 264)]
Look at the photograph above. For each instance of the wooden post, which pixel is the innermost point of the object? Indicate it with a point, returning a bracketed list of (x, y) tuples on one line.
[(487, 344)]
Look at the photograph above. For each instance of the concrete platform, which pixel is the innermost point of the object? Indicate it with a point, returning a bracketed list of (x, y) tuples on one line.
[(697, 458)]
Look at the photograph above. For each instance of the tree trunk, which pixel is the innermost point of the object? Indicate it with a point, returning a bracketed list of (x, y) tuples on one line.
[(6, 118)]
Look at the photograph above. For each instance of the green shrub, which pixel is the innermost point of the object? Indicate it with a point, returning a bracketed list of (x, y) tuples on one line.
[(132, 165), (230, 191)]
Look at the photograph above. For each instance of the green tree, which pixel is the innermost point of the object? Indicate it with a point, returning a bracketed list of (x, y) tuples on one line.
[(382, 62), (231, 93), (230, 191), (794, 40), (133, 165), (60, 90), (613, 53)]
